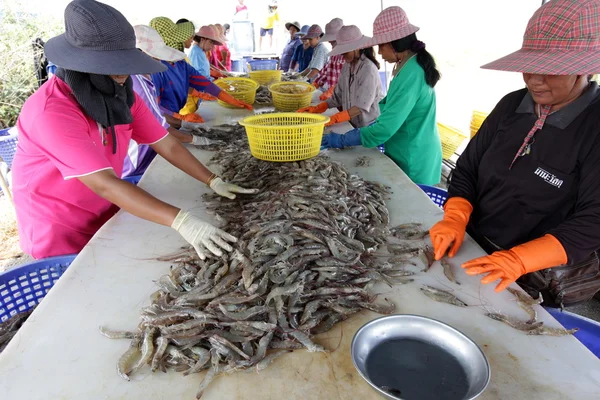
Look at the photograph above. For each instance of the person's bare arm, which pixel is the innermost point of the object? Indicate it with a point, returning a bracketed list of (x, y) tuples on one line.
[(171, 120), (129, 197), (312, 73), (174, 152), (354, 111), (181, 136)]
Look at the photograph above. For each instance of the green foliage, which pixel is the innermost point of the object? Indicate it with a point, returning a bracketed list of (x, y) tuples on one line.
[(18, 30)]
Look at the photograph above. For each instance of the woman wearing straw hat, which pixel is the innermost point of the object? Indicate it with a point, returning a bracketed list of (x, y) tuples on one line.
[(330, 74), (358, 91), (288, 51), (73, 137), (320, 52), (526, 188), (407, 124), (181, 79), (204, 41)]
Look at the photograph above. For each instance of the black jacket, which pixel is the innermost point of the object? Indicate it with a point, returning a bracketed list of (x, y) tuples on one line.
[(554, 189)]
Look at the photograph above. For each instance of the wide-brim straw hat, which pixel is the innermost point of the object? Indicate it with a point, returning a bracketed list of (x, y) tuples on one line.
[(220, 32), (391, 24), (332, 29), (174, 35), (98, 39), (150, 42), (349, 38), (208, 32), (562, 38), (314, 32), (294, 23)]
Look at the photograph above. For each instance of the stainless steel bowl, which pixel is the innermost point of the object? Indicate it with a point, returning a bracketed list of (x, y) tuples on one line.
[(406, 357)]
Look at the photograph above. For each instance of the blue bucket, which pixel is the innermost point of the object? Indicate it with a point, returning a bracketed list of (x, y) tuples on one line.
[(8, 145), (263, 65), (588, 333), (237, 65), (22, 288)]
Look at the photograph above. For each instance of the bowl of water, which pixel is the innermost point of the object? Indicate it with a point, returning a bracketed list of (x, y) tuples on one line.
[(408, 357)]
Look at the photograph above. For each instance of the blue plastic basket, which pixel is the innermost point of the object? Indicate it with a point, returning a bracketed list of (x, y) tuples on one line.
[(588, 333), (24, 287), (262, 65), (135, 179), (8, 146), (436, 194)]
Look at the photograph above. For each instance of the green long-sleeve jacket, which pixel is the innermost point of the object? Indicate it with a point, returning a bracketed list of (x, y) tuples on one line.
[(407, 126)]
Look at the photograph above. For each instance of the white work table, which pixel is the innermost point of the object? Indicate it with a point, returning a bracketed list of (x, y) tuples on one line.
[(59, 353)]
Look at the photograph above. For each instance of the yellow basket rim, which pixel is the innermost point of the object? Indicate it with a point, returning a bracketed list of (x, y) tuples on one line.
[(451, 129), (248, 121), (276, 85), (235, 79)]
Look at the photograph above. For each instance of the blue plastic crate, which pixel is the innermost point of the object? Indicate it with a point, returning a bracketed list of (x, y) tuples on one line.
[(589, 330), (22, 288), (135, 179), (436, 194), (8, 145), (262, 65)]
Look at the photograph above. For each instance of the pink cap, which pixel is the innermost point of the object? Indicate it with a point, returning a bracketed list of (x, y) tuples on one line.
[(391, 24), (562, 38)]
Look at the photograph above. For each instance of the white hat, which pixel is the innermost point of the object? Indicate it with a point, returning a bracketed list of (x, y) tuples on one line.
[(332, 29), (150, 42), (349, 38)]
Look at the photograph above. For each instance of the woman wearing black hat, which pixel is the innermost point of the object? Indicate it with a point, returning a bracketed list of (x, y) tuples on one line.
[(74, 134)]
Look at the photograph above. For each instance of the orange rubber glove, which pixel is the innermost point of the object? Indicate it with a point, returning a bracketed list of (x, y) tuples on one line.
[(452, 228), (229, 99), (203, 95), (509, 265), (327, 94), (343, 116), (318, 109), (316, 85), (191, 117), (216, 74)]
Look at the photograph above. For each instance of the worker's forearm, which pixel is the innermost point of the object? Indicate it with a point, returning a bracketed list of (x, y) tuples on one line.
[(130, 197), (171, 120), (181, 136), (313, 72), (354, 112), (175, 153)]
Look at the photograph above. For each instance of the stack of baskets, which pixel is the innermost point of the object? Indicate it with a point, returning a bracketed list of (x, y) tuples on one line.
[(242, 89), (285, 137), (264, 72), (476, 121), (291, 96), (451, 139)]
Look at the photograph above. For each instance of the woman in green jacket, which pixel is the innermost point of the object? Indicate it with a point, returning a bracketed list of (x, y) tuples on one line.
[(407, 124)]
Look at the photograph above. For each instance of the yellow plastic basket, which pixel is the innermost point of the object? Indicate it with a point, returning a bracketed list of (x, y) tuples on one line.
[(241, 88), (476, 121), (283, 137), (266, 77), (451, 138), (291, 96)]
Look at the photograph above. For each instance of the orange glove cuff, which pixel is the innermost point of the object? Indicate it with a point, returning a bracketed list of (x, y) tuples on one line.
[(342, 116), (321, 108), (458, 209), (327, 94), (542, 253)]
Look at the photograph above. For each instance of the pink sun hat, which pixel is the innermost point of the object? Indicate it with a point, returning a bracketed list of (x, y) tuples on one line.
[(314, 32), (349, 38), (391, 24), (208, 32), (562, 38), (332, 29)]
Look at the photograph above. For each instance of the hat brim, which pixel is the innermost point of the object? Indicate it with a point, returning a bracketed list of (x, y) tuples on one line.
[(290, 24), (329, 37), (216, 41), (309, 36), (110, 62), (345, 48), (545, 62), (388, 37)]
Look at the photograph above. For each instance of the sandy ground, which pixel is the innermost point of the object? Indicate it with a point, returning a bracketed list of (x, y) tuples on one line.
[(10, 252)]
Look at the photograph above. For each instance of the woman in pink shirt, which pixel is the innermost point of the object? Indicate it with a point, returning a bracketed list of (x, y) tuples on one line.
[(73, 138)]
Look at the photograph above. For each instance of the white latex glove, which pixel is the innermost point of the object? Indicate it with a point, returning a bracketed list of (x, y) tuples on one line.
[(202, 235), (194, 126), (228, 189), (201, 141)]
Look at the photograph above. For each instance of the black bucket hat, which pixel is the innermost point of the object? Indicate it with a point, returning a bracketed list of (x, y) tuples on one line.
[(98, 39)]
